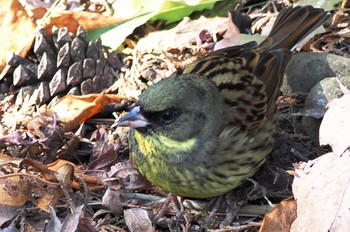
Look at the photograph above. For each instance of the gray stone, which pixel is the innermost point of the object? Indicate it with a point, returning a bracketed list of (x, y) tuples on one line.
[(306, 69), (315, 105)]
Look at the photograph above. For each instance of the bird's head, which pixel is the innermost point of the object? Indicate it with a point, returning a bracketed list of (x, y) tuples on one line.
[(178, 108)]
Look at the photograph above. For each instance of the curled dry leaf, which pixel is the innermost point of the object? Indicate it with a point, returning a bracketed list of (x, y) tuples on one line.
[(280, 218), (65, 174), (93, 183), (124, 176), (74, 110), (46, 130), (104, 153), (47, 174), (43, 125), (44, 137), (16, 29)]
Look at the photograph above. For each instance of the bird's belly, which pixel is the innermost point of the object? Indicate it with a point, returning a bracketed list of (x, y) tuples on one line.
[(202, 180)]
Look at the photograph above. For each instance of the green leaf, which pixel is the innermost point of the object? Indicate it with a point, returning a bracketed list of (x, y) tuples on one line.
[(142, 11), (114, 36), (173, 11)]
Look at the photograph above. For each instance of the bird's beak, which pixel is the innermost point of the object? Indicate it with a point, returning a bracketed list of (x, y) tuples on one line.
[(133, 119)]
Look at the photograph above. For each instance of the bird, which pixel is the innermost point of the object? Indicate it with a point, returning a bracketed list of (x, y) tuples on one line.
[(209, 126)]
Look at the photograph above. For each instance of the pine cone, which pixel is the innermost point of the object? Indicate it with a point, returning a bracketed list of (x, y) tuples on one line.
[(61, 64)]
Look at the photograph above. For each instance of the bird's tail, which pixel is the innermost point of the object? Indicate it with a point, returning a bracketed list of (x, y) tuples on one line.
[(294, 24), (291, 26)]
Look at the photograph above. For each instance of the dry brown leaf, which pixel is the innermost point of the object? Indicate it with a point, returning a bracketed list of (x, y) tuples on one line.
[(71, 144), (46, 173), (321, 189), (280, 218), (74, 110), (37, 13), (23, 180), (137, 220), (335, 126), (93, 183), (5, 159), (123, 175), (113, 200), (16, 30), (186, 32), (103, 153), (17, 188), (71, 221), (72, 20), (59, 163)]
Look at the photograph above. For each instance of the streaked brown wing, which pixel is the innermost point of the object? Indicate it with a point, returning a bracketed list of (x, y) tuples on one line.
[(233, 72), (249, 76)]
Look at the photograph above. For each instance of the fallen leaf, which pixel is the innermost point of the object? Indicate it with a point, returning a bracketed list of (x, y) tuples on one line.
[(335, 126), (137, 220), (47, 174), (24, 183), (124, 176), (7, 213), (321, 189), (5, 159), (184, 33), (17, 30), (88, 20), (280, 218), (73, 110), (18, 188), (71, 221), (54, 224), (93, 183), (143, 11), (103, 153), (113, 200)]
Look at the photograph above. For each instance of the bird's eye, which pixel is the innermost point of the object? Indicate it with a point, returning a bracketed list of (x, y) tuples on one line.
[(168, 116)]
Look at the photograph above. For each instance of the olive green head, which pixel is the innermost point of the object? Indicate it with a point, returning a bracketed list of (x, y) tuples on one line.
[(178, 108)]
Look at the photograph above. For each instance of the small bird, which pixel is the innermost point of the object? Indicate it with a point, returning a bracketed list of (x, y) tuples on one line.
[(202, 131)]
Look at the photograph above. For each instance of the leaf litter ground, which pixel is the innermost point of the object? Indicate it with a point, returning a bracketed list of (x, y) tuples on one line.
[(143, 68)]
